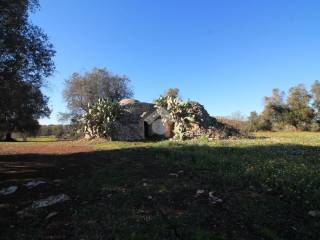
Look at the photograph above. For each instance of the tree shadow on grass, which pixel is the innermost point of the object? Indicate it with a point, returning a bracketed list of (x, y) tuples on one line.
[(111, 189), (15, 165)]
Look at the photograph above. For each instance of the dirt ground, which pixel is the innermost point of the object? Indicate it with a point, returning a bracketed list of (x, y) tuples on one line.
[(49, 162), (63, 147)]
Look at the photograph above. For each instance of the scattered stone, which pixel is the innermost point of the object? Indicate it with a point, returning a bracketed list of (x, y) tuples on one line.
[(199, 192), (50, 215), (145, 184), (150, 197), (8, 191), (25, 213), (43, 203), (176, 174), (173, 175), (203, 125), (213, 199), (34, 183), (50, 201), (314, 213)]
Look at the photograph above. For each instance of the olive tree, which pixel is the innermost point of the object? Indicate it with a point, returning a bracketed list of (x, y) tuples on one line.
[(83, 89), (25, 62)]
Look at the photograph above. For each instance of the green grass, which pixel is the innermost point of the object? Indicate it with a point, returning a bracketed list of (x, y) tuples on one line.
[(148, 190), (267, 185)]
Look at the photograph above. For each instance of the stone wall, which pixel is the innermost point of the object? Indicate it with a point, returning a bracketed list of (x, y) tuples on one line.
[(131, 123)]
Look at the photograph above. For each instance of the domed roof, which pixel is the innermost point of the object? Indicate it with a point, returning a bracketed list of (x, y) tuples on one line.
[(128, 101)]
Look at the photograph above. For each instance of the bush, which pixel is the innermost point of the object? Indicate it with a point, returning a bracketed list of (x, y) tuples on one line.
[(242, 125), (315, 127)]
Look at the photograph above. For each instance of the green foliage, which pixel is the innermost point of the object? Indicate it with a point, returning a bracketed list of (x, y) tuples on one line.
[(254, 122), (101, 118), (21, 111), (81, 90), (172, 92), (315, 91), (56, 130), (296, 113), (179, 111), (275, 110), (301, 114), (25, 62)]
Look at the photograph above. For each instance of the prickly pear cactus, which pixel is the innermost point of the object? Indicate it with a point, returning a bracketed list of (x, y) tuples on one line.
[(101, 118), (191, 120), (179, 111)]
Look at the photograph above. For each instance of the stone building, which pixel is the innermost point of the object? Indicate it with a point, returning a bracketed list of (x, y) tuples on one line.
[(140, 121)]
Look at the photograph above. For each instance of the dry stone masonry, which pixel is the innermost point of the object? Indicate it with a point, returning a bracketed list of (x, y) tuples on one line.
[(140, 120)]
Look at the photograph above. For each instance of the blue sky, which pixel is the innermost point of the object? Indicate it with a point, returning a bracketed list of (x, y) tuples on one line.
[(225, 54)]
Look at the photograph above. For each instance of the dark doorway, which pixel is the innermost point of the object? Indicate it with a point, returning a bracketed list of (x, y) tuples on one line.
[(146, 130)]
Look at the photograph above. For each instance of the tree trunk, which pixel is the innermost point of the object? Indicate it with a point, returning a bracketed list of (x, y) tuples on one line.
[(8, 137)]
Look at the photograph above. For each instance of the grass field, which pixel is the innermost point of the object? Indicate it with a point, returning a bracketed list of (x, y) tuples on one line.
[(262, 188)]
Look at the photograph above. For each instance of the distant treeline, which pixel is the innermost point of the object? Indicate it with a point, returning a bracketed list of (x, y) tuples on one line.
[(59, 131), (299, 109)]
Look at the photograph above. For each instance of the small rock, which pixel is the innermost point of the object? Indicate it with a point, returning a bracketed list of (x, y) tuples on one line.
[(43, 203), (34, 183), (50, 215), (176, 174), (294, 228), (213, 199), (150, 197), (145, 184), (50, 201), (173, 175), (199, 192), (25, 213), (8, 191), (314, 213)]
